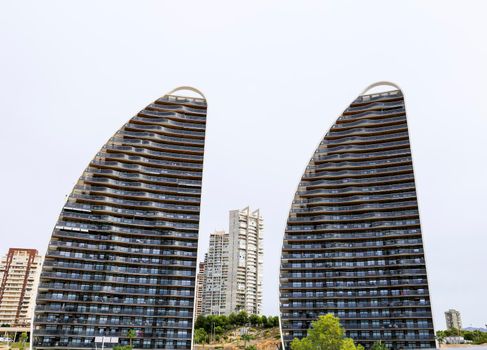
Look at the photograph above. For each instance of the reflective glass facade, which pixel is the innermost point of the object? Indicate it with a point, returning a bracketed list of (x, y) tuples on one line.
[(123, 253), (353, 245)]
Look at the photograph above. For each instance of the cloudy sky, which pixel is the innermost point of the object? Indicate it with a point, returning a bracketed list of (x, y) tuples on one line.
[(276, 75)]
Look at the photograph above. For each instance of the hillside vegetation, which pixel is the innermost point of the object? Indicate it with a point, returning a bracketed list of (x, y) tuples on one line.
[(237, 331)]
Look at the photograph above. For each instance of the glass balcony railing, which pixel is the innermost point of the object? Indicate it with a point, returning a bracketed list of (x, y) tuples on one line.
[(363, 139), (141, 185), (376, 105), (138, 176), (368, 164), (153, 144), (363, 122), (148, 170), (362, 198), (155, 109), (155, 196), (357, 173), (133, 212), (345, 181), (85, 227), (149, 152), (134, 203), (180, 108), (361, 226), (381, 146), (165, 121), (353, 189), (160, 138), (353, 156), (366, 131), (365, 216), (163, 130), (150, 161), (372, 114)]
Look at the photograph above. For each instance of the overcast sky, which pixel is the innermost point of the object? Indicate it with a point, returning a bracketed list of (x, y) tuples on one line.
[(276, 75)]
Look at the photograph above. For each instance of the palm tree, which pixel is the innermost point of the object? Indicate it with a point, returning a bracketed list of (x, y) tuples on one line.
[(131, 335), (440, 336), (23, 339)]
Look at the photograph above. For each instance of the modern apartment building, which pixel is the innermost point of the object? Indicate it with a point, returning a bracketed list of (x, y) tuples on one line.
[(200, 278), (19, 277), (233, 266), (453, 319), (123, 253), (246, 259), (216, 275), (353, 243)]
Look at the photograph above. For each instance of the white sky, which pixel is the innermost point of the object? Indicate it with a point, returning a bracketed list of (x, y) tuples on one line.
[(276, 74)]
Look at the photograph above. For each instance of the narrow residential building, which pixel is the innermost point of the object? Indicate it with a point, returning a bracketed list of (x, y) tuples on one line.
[(353, 244), (246, 260), (19, 277), (200, 278), (453, 319), (216, 275)]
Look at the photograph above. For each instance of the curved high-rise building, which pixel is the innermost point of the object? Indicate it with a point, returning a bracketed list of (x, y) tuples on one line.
[(352, 244), (122, 255)]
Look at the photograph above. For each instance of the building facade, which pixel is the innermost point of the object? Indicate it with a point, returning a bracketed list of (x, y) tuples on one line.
[(200, 279), (246, 259), (233, 266), (353, 243), (216, 275), (19, 277), (453, 319), (123, 253)]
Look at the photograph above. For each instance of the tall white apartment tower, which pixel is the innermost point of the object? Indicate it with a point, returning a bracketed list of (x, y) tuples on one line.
[(216, 275), (245, 262), (453, 319)]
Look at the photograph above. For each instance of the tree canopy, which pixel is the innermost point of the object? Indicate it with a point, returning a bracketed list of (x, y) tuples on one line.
[(325, 333)]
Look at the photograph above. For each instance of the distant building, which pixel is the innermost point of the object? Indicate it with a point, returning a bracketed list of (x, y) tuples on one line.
[(453, 319), (454, 340), (216, 274), (19, 278), (233, 266), (246, 258), (200, 278)]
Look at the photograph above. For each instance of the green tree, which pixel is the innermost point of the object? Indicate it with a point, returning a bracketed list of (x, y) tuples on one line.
[(242, 318), (254, 320), (23, 339), (440, 336), (325, 333), (132, 334), (200, 336), (232, 319), (122, 347), (379, 345), (348, 344), (302, 344), (246, 338)]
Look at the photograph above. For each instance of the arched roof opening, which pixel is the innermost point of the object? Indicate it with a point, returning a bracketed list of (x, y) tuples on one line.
[(380, 87), (187, 91)]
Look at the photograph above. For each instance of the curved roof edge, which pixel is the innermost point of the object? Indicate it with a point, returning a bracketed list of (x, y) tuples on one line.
[(380, 83), (189, 88)]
